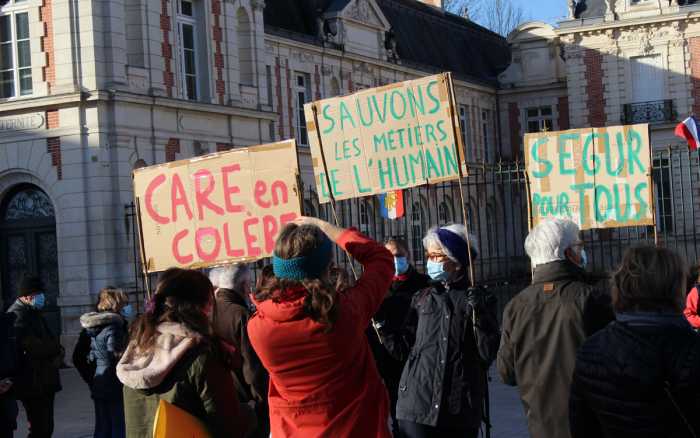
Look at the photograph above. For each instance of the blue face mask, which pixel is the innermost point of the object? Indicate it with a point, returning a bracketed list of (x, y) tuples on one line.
[(127, 311), (400, 265), (38, 301), (584, 259), (436, 271)]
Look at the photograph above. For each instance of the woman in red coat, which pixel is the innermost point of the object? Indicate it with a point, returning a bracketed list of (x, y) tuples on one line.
[(311, 338)]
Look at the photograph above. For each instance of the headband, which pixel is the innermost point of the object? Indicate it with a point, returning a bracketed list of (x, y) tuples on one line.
[(310, 266)]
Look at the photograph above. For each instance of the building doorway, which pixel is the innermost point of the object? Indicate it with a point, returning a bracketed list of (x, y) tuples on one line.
[(28, 244)]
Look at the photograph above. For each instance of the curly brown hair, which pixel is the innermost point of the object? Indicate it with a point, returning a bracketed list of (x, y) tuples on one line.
[(181, 296), (321, 303), (649, 279)]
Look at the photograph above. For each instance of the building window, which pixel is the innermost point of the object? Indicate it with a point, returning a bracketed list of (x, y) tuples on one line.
[(15, 53), (268, 83), (539, 119), (302, 93), (187, 29), (245, 48), (485, 130), (464, 129)]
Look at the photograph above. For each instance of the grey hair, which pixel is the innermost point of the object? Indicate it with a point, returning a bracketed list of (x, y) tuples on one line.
[(431, 237), (550, 239), (229, 276)]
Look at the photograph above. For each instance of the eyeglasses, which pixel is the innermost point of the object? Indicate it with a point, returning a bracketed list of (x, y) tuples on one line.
[(436, 257)]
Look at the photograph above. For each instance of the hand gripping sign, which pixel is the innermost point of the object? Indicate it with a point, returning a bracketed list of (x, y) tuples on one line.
[(384, 139), (598, 177), (218, 208)]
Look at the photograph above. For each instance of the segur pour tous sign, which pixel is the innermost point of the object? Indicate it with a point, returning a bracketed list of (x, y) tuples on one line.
[(384, 139), (218, 208), (598, 177)]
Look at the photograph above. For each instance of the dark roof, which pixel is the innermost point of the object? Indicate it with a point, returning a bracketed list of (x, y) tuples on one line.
[(428, 38)]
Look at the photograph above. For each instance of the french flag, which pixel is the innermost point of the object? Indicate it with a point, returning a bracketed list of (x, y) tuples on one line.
[(688, 129), (392, 204)]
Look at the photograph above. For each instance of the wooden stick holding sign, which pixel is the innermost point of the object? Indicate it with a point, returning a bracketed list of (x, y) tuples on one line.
[(142, 250), (462, 171), (331, 195)]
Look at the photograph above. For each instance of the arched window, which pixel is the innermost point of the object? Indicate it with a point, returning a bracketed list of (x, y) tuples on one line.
[(28, 244), (28, 203), (245, 48), (417, 229), (444, 213), (365, 215)]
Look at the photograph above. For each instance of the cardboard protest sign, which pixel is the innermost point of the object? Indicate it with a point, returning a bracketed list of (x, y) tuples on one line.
[(598, 177), (218, 208), (387, 138)]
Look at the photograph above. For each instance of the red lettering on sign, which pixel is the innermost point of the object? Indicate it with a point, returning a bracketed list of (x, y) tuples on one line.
[(281, 187), (202, 195), (250, 239), (287, 218), (178, 197), (230, 251), (270, 230), (160, 179), (231, 189), (182, 259), (199, 236), (258, 192)]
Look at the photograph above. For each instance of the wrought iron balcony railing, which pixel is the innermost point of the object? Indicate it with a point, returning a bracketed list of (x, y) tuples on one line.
[(657, 111)]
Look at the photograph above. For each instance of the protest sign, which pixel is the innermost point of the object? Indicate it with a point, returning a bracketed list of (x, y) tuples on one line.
[(598, 177), (384, 139), (218, 208)]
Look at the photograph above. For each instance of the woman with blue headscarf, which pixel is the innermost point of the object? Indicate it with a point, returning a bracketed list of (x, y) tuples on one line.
[(311, 337), (449, 339)]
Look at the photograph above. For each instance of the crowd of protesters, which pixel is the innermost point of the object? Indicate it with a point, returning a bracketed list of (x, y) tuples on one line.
[(310, 351)]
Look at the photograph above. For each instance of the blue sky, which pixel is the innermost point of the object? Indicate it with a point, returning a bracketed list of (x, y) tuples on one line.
[(549, 11)]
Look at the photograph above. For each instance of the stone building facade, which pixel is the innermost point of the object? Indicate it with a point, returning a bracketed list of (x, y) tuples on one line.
[(89, 90), (619, 62)]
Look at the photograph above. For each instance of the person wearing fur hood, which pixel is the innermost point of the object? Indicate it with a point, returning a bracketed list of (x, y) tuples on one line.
[(106, 331), (173, 356)]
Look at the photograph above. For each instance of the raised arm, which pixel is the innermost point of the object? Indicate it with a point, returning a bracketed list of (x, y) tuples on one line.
[(377, 263)]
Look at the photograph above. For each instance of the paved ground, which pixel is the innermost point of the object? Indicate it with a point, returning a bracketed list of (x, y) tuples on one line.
[(74, 411)]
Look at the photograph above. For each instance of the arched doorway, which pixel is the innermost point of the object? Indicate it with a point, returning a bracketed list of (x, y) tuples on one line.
[(28, 244)]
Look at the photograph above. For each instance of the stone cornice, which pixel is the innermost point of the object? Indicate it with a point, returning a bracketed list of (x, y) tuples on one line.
[(560, 85), (38, 103), (345, 56), (599, 28), (46, 102)]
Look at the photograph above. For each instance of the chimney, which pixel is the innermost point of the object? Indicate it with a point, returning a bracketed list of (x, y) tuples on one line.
[(435, 3)]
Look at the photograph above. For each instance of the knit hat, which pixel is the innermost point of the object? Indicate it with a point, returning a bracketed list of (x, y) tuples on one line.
[(310, 266), (453, 239), (29, 285)]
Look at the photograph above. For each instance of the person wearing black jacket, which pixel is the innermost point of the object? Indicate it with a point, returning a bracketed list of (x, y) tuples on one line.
[(41, 356), (545, 324), (640, 376), (8, 371), (230, 319), (392, 314), (448, 339)]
